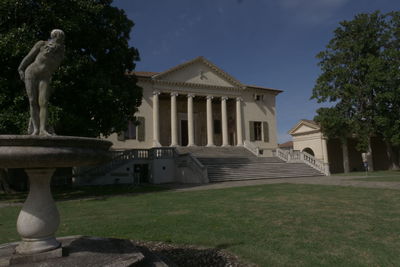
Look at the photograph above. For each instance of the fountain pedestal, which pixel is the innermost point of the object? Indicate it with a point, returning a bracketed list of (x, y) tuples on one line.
[(40, 156), (39, 218)]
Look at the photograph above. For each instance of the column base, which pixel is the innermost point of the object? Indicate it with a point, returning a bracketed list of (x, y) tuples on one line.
[(240, 145), (226, 145), (156, 144), (191, 145), (210, 145), (174, 145)]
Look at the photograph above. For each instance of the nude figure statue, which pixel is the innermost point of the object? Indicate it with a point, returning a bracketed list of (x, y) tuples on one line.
[(36, 70)]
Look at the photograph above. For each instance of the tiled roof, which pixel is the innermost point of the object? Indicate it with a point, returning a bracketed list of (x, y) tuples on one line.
[(144, 74), (264, 88), (310, 121), (149, 74), (288, 144)]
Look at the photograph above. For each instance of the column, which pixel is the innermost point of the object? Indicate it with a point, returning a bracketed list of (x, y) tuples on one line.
[(156, 125), (190, 119), (239, 121), (224, 121), (325, 155), (210, 128), (174, 122)]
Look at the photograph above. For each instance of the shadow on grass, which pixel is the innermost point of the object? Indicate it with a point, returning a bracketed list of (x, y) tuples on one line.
[(99, 192), (180, 255)]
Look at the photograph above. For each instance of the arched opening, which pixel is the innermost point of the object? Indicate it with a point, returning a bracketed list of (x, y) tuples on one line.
[(309, 151)]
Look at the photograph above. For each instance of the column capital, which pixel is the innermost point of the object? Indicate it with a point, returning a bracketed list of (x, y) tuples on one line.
[(210, 97), (156, 92), (174, 94), (239, 99), (224, 98), (191, 95)]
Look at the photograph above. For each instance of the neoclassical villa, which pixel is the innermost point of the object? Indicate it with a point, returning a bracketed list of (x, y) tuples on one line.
[(198, 124), (198, 104)]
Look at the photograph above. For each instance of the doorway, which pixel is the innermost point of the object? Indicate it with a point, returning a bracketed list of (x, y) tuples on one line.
[(140, 173), (184, 133)]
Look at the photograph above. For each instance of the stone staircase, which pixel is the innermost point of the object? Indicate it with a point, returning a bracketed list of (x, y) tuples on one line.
[(238, 163)]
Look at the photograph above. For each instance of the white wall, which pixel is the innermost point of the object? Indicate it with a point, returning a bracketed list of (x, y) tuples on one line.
[(163, 171), (263, 110), (313, 141), (146, 111)]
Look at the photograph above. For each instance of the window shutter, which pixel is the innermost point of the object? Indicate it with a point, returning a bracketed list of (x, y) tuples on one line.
[(251, 125), (141, 129), (121, 136), (266, 131)]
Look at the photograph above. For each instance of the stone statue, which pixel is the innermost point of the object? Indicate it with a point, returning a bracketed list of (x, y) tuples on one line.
[(36, 70)]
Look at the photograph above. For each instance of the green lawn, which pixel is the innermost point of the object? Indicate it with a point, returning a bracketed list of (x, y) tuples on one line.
[(271, 225), (376, 176), (374, 173)]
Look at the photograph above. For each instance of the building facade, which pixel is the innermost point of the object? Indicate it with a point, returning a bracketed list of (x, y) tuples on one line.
[(308, 137), (198, 104)]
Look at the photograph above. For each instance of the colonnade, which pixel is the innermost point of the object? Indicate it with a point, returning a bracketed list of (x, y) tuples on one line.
[(210, 122)]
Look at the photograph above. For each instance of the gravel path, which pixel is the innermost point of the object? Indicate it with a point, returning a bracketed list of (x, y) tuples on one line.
[(317, 180)]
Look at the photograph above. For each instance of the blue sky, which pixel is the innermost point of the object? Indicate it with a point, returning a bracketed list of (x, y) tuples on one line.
[(271, 43)]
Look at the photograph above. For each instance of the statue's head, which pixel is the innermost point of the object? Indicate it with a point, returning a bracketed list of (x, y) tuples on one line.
[(58, 35)]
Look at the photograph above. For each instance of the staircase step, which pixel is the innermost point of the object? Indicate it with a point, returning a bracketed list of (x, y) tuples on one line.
[(237, 163)]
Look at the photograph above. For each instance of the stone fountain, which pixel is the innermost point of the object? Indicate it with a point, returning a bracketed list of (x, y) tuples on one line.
[(40, 153), (40, 156)]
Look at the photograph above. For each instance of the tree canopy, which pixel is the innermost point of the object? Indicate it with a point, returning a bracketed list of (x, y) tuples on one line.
[(92, 93), (360, 75)]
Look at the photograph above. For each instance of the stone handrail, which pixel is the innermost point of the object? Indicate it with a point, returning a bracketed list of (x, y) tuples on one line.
[(282, 154), (299, 156), (163, 152), (197, 165), (121, 157), (252, 148), (118, 159), (315, 163)]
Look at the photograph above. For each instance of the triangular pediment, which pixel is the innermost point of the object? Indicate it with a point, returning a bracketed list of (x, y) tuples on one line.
[(198, 71), (304, 126)]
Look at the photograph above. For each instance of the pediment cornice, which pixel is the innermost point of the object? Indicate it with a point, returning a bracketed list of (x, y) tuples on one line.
[(209, 64)]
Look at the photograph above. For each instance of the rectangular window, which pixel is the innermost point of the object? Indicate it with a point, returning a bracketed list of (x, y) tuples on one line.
[(257, 131), (130, 133), (217, 126)]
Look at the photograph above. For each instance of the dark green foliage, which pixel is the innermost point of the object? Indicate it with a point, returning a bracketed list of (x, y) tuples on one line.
[(92, 95), (360, 74)]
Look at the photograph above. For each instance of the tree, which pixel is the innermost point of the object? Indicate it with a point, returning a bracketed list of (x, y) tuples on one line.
[(388, 100), (352, 70), (335, 123), (92, 95)]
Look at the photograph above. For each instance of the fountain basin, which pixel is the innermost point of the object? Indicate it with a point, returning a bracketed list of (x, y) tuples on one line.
[(39, 156), (27, 151)]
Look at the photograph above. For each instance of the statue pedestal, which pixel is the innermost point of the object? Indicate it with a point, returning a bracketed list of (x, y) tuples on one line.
[(40, 156), (39, 218)]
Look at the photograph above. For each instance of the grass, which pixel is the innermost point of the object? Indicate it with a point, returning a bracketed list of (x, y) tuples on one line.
[(270, 225), (68, 193), (375, 176)]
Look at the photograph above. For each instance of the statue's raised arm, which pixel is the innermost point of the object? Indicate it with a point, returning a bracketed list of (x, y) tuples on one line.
[(36, 70)]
